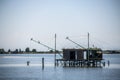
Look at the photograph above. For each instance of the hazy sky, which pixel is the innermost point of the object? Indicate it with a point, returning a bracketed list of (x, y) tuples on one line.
[(41, 19)]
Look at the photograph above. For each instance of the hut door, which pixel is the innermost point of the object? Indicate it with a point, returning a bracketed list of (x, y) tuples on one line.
[(72, 55), (85, 55)]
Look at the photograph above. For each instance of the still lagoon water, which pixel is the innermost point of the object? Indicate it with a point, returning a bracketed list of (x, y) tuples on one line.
[(14, 67)]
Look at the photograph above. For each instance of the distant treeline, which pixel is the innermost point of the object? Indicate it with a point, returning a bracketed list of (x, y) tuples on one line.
[(111, 51), (32, 51), (27, 50)]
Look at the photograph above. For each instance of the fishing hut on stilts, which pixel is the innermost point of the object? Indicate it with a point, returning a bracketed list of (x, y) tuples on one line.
[(82, 57)]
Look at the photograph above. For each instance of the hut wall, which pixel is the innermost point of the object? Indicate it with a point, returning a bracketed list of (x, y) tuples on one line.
[(66, 55), (73, 54), (80, 55)]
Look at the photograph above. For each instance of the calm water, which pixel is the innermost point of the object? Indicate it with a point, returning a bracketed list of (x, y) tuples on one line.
[(13, 67)]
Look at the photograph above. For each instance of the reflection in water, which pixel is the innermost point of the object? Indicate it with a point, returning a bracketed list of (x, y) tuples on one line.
[(52, 65)]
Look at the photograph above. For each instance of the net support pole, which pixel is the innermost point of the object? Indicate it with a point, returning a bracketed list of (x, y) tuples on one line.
[(55, 51)]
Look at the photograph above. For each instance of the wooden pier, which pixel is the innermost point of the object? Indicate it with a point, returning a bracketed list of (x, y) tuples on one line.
[(79, 63)]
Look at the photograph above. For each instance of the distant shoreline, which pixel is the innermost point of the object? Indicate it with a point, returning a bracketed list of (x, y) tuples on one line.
[(32, 53), (111, 53), (46, 53)]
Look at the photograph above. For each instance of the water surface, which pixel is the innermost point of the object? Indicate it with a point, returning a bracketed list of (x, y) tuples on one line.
[(14, 67)]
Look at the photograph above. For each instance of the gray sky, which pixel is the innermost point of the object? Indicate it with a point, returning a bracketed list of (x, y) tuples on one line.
[(41, 19)]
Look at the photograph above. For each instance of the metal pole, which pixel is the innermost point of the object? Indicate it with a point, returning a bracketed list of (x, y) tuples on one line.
[(55, 49), (42, 63)]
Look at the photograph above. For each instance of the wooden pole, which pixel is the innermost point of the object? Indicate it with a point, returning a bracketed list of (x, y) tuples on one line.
[(42, 63), (88, 47), (55, 50)]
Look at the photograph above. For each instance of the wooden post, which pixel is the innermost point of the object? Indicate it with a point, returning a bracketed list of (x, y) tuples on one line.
[(108, 62), (28, 62), (42, 63)]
